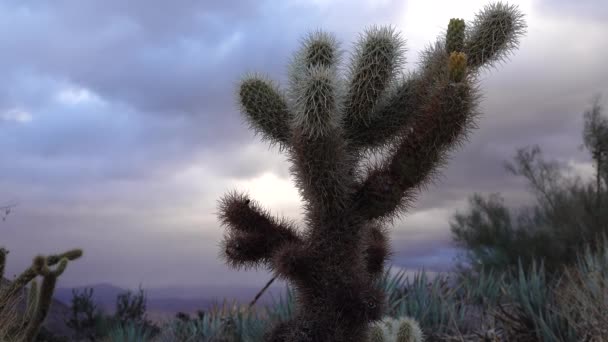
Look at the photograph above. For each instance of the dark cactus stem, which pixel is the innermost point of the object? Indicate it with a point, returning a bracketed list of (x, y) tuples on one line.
[(3, 253), (327, 121)]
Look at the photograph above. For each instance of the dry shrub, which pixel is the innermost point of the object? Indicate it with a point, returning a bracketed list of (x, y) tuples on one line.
[(583, 300)]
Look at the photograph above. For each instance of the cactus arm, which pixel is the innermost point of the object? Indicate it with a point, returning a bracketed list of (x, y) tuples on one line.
[(32, 300), (447, 113), (395, 113), (376, 62), (493, 34), (253, 235), (46, 295), (443, 122), (391, 116), (488, 39), (29, 274), (265, 109), (70, 255), (319, 161)]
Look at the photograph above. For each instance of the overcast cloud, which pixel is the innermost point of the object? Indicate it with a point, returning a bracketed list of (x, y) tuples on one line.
[(120, 131)]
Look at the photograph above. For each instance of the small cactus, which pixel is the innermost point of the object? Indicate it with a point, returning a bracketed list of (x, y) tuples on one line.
[(40, 297), (402, 329)]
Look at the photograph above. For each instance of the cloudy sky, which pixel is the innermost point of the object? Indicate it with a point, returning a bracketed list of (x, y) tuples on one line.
[(119, 127)]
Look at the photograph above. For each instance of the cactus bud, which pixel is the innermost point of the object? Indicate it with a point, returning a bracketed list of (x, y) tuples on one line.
[(457, 66), (403, 329)]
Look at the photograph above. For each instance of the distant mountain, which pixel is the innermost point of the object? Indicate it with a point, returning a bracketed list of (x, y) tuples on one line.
[(170, 300), (104, 295)]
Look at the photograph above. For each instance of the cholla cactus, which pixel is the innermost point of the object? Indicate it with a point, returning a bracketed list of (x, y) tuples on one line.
[(39, 298), (403, 329), (326, 122)]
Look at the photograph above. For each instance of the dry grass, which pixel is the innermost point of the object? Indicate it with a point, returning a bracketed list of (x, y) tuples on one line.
[(583, 299)]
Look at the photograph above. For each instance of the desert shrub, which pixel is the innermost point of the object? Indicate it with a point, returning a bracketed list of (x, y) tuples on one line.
[(567, 215)]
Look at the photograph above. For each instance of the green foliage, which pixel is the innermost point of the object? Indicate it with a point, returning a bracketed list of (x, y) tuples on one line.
[(130, 307), (583, 294), (130, 314), (565, 218), (84, 315), (432, 303), (485, 289), (129, 332), (533, 311), (224, 323)]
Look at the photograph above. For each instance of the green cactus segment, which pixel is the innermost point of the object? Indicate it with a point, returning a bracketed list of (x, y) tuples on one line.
[(454, 40), (266, 109), (321, 49), (315, 107), (253, 235), (409, 331), (377, 60), (32, 300), (44, 303), (403, 329), (392, 115), (493, 34)]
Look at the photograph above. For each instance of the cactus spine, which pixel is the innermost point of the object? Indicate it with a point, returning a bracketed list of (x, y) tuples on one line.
[(39, 298), (403, 329), (326, 121)]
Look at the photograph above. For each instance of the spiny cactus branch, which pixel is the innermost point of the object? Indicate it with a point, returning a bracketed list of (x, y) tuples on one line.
[(443, 123), (265, 108), (493, 34), (253, 235), (49, 281), (33, 271), (376, 62)]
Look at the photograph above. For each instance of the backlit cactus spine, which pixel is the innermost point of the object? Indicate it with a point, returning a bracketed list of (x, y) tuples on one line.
[(403, 329), (326, 122), (39, 299)]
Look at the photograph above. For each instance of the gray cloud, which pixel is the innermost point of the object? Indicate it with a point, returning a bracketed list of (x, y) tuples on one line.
[(589, 9), (131, 170)]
